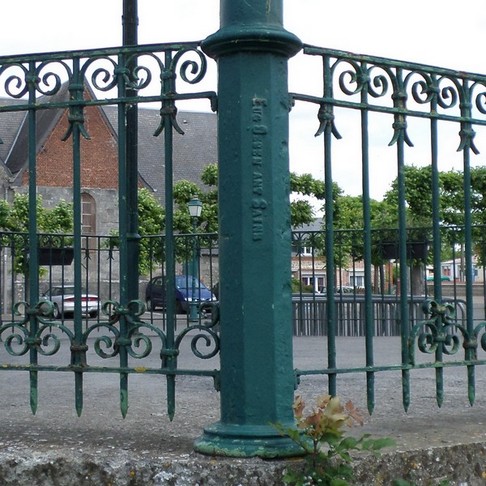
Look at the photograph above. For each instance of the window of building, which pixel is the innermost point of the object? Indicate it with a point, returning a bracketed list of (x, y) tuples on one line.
[(317, 282), (88, 214), (357, 280)]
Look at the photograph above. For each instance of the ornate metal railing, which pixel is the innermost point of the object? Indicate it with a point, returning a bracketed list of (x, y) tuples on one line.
[(374, 88), (124, 77), (107, 326), (367, 105)]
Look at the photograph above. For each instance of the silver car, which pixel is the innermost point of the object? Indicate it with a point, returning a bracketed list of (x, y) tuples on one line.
[(63, 298)]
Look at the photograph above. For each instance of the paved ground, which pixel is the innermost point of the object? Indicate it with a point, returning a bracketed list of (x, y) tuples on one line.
[(147, 432), (147, 428)]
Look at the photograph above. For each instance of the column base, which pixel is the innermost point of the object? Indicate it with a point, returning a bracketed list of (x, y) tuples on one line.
[(246, 441)]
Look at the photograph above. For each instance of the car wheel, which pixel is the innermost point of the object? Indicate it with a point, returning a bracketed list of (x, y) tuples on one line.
[(178, 307), (93, 314), (150, 305), (56, 313)]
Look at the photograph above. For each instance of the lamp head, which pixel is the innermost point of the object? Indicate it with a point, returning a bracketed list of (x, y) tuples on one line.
[(195, 207)]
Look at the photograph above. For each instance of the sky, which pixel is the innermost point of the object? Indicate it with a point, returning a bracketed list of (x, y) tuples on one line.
[(436, 32)]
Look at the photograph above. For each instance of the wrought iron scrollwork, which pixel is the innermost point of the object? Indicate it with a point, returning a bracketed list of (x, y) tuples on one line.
[(136, 69), (23, 337), (401, 89), (443, 333), (439, 332), (325, 116), (19, 337), (207, 334), (191, 71)]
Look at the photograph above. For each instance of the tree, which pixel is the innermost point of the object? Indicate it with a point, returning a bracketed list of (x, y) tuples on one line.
[(418, 196), (301, 210), (15, 216), (302, 187), (51, 222), (151, 218)]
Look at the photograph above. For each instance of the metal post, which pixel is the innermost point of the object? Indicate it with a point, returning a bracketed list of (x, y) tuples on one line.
[(195, 209), (130, 38), (257, 385), (193, 304)]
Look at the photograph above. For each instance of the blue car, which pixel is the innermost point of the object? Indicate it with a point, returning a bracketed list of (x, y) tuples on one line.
[(188, 289)]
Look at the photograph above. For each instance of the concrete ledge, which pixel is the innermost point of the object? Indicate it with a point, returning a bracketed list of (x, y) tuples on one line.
[(100, 448), (463, 465)]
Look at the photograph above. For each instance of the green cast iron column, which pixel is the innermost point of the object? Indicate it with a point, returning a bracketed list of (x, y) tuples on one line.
[(257, 385), (130, 38)]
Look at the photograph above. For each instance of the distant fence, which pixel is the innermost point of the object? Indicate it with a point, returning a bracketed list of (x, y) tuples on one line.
[(309, 313), (100, 257)]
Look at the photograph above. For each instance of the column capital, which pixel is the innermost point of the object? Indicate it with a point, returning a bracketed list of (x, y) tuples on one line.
[(257, 38)]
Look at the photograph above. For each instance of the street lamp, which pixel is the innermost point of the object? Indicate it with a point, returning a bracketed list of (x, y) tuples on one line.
[(195, 210)]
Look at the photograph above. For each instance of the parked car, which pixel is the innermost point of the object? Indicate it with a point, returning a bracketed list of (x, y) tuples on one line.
[(63, 298), (188, 289)]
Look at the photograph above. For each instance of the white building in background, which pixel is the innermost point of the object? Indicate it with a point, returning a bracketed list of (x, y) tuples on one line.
[(454, 271)]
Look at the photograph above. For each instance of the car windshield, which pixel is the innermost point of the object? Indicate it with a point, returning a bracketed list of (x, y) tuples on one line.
[(187, 282), (63, 291)]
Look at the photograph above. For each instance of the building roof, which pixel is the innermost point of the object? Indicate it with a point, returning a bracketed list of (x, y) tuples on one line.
[(192, 151), (17, 156), (9, 127), (316, 225)]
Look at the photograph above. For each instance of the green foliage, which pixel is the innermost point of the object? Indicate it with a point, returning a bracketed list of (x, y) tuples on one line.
[(417, 184), (15, 216), (59, 219), (151, 215), (306, 185), (209, 175), (418, 195), (151, 221), (301, 213), (14, 220), (298, 286), (349, 224), (321, 434), (348, 212), (301, 210)]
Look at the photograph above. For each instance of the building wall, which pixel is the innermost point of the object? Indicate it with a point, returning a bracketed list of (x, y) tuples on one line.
[(106, 201), (99, 155)]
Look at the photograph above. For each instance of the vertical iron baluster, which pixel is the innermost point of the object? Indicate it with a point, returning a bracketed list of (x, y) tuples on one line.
[(33, 280), (130, 38), (400, 138), (467, 144), (329, 228), (168, 113), (123, 182), (436, 233), (369, 317), (76, 120), (128, 186), (436, 238)]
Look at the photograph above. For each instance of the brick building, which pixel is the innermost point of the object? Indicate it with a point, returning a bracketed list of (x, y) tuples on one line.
[(99, 165)]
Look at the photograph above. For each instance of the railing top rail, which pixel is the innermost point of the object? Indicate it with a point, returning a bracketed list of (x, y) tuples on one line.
[(143, 73), (108, 51), (390, 62), (359, 297)]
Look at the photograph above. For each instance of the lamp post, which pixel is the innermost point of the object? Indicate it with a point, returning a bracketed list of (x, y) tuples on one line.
[(195, 210)]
